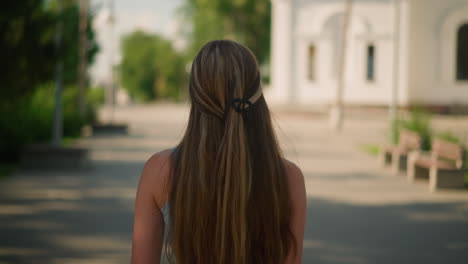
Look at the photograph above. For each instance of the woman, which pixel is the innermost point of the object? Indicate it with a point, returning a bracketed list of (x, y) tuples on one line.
[(225, 194)]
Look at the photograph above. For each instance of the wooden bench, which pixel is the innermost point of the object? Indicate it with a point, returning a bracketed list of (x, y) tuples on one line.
[(444, 165), (397, 155)]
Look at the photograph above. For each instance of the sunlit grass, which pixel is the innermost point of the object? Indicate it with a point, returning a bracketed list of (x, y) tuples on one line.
[(371, 149)]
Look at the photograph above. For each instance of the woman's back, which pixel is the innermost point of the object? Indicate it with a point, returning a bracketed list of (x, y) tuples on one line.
[(153, 184), (226, 193)]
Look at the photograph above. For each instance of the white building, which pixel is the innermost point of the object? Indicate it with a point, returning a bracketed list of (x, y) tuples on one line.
[(432, 54)]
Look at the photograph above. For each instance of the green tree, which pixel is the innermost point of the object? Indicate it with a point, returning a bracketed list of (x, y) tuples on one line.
[(27, 72), (28, 49), (27, 43), (71, 19), (150, 67), (247, 21)]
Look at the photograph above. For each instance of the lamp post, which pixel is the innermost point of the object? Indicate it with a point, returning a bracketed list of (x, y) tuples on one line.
[(109, 125), (57, 128), (393, 107), (336, 113), (111, 89), (83, 56)]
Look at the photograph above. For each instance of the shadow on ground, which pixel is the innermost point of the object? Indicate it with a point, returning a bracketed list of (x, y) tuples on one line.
[(87, 218), (73, 217), (410, 233)]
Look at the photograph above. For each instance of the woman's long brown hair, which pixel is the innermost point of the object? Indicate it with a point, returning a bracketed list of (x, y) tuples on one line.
[(228, 198)]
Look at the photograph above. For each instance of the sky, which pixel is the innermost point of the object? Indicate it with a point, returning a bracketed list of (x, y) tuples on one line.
[(155, 16)]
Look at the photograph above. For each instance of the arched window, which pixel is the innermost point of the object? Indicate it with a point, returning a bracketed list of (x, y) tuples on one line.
[(311, 63), (462, 53), (370, 69)]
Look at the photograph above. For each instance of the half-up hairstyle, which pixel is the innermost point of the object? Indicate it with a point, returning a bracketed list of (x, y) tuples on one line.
[(228, 198)]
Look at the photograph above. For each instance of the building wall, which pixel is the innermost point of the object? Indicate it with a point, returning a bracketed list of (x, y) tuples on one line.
[(432, 55), (281, 41), (426, 55), (320, 23)]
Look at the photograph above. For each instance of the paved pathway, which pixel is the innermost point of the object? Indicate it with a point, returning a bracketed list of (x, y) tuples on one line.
[(357, 212)]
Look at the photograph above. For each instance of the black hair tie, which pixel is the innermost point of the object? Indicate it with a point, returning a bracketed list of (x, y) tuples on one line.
[(241, 105)]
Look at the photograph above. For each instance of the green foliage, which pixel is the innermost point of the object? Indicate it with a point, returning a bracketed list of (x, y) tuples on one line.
[(29, 58), (70, 16), (371, 149), (418, 121), (150, 67), (448, 136), (29, 54), (30, 120), (246, 21), (96, 96), (27, 44)]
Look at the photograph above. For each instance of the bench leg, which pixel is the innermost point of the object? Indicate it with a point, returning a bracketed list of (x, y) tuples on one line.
[(411, 166), (411, 171), (399, 162), (445, 179), (384, 158)]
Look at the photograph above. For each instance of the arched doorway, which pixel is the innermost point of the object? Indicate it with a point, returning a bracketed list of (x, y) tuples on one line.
[(462, 53), (332, 32)]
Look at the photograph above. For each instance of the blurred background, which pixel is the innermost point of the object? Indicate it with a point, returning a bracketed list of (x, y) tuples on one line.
[(369, 98)]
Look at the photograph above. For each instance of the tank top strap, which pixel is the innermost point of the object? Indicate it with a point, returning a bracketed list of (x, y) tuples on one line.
[(165, 212)]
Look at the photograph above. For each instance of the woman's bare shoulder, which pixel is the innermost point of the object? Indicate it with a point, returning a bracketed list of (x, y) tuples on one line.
[(159, 159), (296, 183), (156, 173), (299, 208), (295, 175)]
